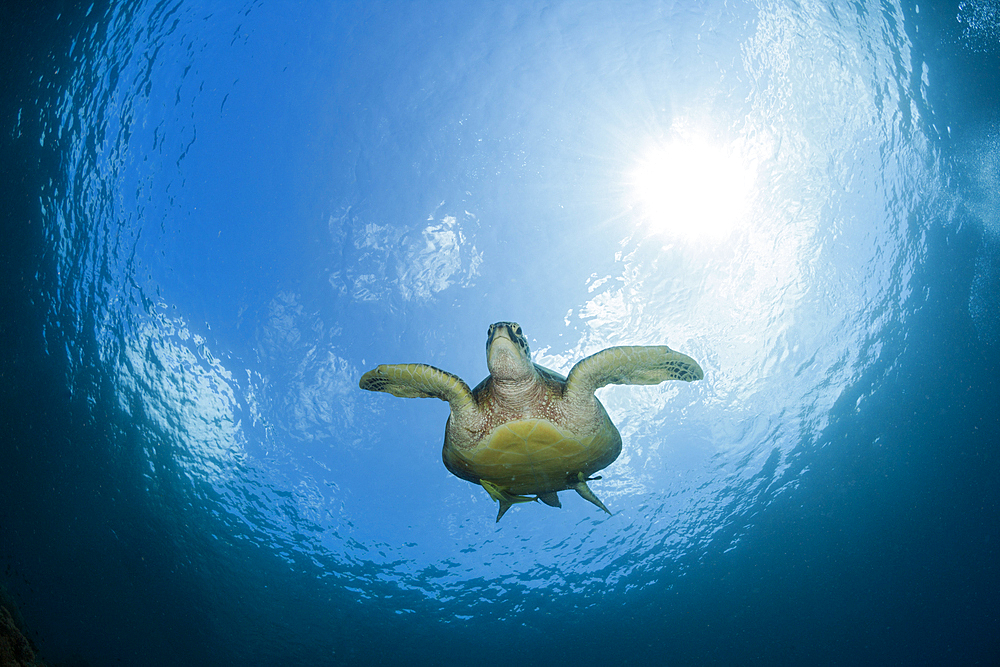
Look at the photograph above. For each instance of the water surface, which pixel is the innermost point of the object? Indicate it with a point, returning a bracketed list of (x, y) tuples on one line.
[(235, 209)]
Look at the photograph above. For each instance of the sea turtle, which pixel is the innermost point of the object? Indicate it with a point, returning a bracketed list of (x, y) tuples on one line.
[(526, 429)]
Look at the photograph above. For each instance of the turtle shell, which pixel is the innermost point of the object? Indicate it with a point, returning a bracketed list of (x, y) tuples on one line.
[(534, 456)]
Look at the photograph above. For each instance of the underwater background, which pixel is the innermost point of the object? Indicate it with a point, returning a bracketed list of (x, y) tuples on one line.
[(217, 215)]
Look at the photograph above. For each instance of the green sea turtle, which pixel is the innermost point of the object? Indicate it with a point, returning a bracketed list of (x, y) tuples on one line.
[(526, 429)]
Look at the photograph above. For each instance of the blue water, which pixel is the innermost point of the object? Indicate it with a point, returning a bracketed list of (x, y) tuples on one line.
[(219, 215)]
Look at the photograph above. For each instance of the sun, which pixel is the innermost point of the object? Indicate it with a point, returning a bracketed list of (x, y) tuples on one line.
[(691, 188)]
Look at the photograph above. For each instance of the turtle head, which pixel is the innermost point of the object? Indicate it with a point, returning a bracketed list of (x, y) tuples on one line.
[(507, 353)]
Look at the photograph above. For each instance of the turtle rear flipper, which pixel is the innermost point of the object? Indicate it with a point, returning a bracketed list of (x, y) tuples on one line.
[(585, 492), (505, 498)]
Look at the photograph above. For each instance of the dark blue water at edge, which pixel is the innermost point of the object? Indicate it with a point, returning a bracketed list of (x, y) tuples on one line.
[(887, 553)]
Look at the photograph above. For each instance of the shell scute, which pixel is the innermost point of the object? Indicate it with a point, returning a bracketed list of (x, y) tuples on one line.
[(535, 456)]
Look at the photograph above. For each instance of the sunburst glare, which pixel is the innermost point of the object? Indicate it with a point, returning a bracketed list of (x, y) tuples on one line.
[(689, 187)]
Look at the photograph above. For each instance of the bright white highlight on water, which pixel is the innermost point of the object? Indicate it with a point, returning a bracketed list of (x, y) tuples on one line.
[(691, 187)]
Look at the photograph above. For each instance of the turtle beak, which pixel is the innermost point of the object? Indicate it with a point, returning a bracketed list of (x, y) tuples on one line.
[(498, 330), (504, 355), (499, 341)]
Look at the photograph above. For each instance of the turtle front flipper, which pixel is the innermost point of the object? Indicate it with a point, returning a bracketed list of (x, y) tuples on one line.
[(503, 497), (631, 365), (418, 381)]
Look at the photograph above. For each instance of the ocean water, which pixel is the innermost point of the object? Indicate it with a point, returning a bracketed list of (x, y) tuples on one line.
[(218, 215)]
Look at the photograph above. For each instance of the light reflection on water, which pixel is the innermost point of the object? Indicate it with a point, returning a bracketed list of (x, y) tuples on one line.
[(403, 251)]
